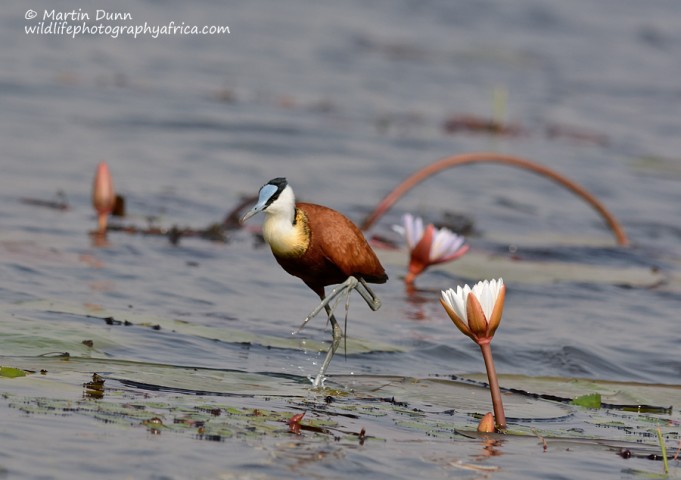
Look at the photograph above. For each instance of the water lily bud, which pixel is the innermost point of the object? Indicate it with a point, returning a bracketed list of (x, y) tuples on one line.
[(486, 424), (103, 196)]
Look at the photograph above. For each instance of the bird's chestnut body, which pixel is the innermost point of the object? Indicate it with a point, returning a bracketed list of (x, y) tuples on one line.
[(323, 248)]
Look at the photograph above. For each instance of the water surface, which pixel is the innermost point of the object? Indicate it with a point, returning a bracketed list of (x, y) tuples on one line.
[(345, 101)]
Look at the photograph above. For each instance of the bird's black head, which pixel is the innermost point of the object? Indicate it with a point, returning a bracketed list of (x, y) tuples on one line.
[(280, 184)]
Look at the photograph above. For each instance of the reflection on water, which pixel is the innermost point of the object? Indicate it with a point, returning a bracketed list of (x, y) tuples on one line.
[(345, 100)]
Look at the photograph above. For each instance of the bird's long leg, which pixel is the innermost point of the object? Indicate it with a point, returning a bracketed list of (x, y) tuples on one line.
[(337, 333), (345, 326), (368, 295), (352, 282), (346, 286)]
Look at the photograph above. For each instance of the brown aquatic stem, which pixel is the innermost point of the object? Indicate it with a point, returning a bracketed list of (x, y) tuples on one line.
[(102, 220), (497, 405), (409, 280), (493, 157)]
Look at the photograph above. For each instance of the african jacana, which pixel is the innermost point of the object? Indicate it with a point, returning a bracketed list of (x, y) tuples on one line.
[(321, 247)]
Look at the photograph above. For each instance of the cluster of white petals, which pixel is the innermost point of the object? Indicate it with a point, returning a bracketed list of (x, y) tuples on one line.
[(486, 291), (444, 244), (411, 229)]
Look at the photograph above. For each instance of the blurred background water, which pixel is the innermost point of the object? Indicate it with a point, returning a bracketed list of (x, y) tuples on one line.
[(345, 100)]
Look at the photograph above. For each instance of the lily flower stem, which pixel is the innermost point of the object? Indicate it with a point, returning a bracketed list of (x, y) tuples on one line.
[(102, 221), (497, 405)]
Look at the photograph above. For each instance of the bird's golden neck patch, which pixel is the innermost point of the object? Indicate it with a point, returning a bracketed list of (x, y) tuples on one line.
[(285, 238)]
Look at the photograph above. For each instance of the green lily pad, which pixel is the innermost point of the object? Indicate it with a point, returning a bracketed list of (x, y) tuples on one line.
[(11, 372), (591, 400)]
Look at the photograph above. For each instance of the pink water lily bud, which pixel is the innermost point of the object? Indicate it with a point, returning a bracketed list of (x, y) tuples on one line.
[(476, 311), (428, 246), (103, 195), (486, 424)]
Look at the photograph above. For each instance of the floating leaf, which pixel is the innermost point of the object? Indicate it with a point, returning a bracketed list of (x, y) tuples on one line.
[(11, 372), (591, 400)]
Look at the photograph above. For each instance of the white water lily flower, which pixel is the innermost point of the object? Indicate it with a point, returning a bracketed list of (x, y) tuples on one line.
[(445, 246), (411, 229), (476, 311), (429, 245)]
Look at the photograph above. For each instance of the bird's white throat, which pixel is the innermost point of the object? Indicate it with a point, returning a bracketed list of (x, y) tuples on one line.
[(283, 236)]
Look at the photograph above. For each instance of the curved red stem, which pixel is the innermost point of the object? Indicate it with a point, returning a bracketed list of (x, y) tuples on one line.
[(493, 157)]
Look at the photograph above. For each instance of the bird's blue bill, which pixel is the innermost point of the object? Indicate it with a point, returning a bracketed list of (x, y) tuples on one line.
[(266, 193)]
